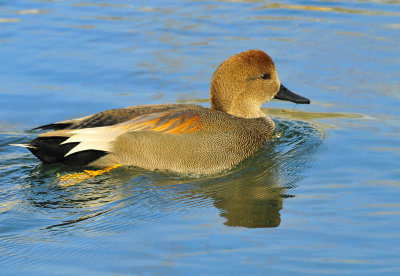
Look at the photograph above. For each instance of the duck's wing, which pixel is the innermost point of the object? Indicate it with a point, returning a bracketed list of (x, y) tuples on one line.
[(82, 145)]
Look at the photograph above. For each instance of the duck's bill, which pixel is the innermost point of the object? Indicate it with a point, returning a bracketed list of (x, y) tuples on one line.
[(285, 94)]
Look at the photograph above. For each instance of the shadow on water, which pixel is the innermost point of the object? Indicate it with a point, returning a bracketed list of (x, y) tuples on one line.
[(250, 195)]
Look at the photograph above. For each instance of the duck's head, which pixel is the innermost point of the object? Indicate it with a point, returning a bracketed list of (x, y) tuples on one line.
[(243, 82)]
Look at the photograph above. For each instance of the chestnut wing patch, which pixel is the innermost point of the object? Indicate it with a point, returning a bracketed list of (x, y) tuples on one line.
[(176, 123)]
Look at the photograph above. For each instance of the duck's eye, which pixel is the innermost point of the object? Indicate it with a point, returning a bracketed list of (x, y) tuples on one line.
[(265, 76)]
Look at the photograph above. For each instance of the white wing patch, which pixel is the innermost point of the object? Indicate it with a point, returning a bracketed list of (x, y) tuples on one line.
[(96, 138)]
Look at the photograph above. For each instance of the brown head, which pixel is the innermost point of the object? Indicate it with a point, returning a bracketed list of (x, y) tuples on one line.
[(243, 82)]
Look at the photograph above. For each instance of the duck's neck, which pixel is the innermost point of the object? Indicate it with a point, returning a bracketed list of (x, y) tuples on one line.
[(245, 108)]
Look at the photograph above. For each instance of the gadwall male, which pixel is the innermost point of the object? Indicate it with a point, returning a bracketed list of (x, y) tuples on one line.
[(182, 138)]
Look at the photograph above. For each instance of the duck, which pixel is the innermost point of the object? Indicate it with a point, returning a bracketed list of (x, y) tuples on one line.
[(176, 137)]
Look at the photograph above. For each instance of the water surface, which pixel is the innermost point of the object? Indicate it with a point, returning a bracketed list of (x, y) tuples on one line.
[(321, 199)]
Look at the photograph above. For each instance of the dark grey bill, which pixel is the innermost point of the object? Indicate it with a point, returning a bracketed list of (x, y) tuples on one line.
[(287, 95)]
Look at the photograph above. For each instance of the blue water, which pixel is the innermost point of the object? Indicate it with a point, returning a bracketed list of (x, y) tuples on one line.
[(323, 199)]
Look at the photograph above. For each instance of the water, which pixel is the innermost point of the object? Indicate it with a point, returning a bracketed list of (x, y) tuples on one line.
[(322, 199)]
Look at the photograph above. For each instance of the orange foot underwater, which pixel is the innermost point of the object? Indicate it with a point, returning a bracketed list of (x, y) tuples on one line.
[(72, 179), (177, 137)]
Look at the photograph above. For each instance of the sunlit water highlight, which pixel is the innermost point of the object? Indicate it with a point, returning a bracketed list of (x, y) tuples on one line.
[(321, 199)]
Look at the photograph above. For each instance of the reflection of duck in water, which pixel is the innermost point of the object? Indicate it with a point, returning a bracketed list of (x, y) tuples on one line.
[(177, 137), (251, 203)]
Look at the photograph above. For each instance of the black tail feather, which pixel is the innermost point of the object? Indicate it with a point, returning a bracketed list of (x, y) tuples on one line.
[(49, 150)]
